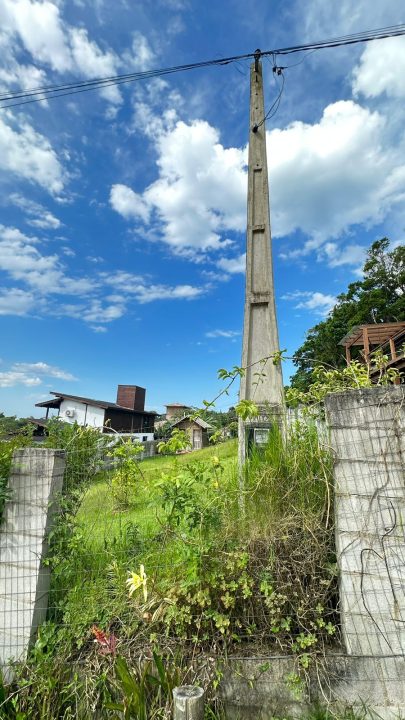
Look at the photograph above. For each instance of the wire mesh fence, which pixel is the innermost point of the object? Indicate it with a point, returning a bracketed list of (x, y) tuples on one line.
[(69, 538), (367, 433), (71, 544), (24, 579)]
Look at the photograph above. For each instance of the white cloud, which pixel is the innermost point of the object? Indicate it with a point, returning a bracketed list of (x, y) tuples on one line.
[(222, 334), (21, 259), (14, 301), (11, 378), (318, 19), (39, 216), (144, 291), (39, 27), (93, 63), (149, 117), (46, 278), (129, 204), (325, 178), (333, 174), (381, 69), (211, 275), (98, 328), (42, 368), (233, 265), (318, 302), (46, 222), (200, 193), (150, 293), (349, 255), (96, 311), (28, 154), (43, 33), (141, 56), (122, 281), (25, 76), (31, 374)]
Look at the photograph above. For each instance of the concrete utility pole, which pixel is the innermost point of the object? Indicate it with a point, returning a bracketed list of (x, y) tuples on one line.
[(260, 335)]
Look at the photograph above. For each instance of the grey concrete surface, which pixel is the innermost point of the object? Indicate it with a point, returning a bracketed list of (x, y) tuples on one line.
[(375, 684), (367, 438), (35, 484), (260, 333)]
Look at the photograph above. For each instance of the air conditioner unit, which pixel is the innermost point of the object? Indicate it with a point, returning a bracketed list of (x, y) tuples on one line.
[(69, 412)]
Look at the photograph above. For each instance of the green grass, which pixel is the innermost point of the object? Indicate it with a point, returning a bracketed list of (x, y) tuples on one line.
[(102, 524), (108, 542), (290, 477)]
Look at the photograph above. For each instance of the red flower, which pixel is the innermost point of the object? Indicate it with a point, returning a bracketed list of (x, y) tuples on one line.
[(107, 643)]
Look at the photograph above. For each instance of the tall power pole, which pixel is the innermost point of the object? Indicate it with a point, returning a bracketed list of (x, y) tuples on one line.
[(263, 381)]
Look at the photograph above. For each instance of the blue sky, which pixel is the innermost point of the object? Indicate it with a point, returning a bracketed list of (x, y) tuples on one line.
[(123, 211)]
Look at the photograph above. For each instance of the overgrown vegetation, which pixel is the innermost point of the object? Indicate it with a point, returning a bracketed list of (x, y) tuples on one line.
[(84, 452), (185, 565), (354, 376), (126, 472), (157, 566)]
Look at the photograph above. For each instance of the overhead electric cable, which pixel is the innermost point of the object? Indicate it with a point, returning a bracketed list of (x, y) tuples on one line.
[(272, 111), (53, 91)]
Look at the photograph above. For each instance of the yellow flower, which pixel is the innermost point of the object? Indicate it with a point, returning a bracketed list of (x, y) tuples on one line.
[(136, 581)]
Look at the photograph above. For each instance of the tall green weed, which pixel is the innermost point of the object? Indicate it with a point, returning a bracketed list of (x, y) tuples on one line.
[(290, 476)]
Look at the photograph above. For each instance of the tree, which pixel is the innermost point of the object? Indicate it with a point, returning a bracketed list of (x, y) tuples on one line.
[(378, 297), (11, 425)]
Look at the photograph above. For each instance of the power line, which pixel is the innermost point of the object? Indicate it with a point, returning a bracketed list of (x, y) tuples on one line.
[(117, 79), (53, 91)]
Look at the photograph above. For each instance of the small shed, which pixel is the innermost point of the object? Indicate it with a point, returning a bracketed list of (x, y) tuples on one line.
[(197, 429)]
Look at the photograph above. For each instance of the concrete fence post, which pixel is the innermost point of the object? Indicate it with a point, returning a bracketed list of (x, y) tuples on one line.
[(367, 433), (188, 703), (35, 484)]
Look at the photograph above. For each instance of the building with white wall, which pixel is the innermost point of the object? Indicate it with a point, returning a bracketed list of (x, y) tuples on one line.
[(127, 415)]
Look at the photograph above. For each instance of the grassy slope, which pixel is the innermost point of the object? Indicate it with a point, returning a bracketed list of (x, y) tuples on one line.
[(286, 503), (109, 542), (99, 520)]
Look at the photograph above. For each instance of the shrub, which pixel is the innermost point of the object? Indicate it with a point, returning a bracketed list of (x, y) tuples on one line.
[(84, 448), (126, 472), (7, 447)]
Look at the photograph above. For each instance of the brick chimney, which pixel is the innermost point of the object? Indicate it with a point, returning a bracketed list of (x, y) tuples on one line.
[(131, 397)]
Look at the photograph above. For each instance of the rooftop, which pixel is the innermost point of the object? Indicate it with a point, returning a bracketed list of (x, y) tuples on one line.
[(378, 333), (55, 403), (176, 404), (202, 423)]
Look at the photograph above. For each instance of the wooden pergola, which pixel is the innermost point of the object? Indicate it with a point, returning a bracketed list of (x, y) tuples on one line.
[(376, 335)]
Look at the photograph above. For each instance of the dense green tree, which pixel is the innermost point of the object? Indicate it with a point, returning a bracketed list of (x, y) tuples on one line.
[(378, 297), (10, 425)]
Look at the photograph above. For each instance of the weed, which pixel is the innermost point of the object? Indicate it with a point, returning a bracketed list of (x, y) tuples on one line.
[(126, 473)]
